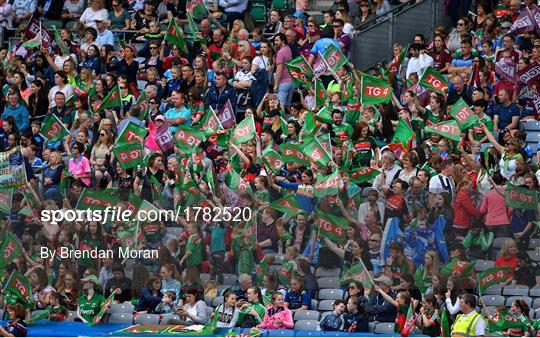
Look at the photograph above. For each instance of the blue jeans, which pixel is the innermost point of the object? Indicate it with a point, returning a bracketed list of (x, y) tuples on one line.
[(285, 91)]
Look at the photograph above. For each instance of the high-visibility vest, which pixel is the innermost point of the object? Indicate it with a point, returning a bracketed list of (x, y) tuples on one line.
[(464, 326)]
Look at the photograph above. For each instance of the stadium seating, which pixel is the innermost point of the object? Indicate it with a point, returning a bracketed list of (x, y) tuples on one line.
[(306, 315), (229, 279), (493, 300), (493, 290), (534, 292), (121, 318), (482, 265), (384, 328), (531, 126), (306, 325), (217, 301), (121, 308), (515, 290), (165, 318), (322, 272), (527, 300), (146, 318), (534, 255), (332, 294), (328, 282), (326, 305)]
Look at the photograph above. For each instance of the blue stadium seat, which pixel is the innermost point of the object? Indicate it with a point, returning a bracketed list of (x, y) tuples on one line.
[(534, 243), (328, 282), (121, 308), (536, 303), (306, 315), (534, 255), (222, 288), (322, 272), (165, 318), (332, 294), (208, 300), (384, 328), (533, 137), (535, 292), (306, 325), (482, 265), (531, 126), (326, 305), (146, 318), (515, 290), (217, 301), (314, 304), (493, 290), (121, 318), (205, 277), (229, 279), (527, 300), (493, 300), (209, 311), (71, 316)]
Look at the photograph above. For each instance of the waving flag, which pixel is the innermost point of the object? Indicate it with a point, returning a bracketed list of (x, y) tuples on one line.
[(19, 287), (300, 70), (104, 308), (174, 36), (492, 276), (506, 68), (210, 122), (434, 80), (294, 153), (317, 154), (521, 198), (362, 175), (334, 58), (448, 129), (131, 134), (440, 242), (326, 185), (357, 273), (53, 129), (188, 139), (272, 161), (197, 9), (393, 67), (112, 100), (128, 155), (375, 91), (529, 74), (458, 268), (10, 248), (463, 114), (96, 200), (287, 205), (320, 93), (404, 133), (392, 233), (6, 196), (331, 227), (226, 115), (524, 23), (244, 131)]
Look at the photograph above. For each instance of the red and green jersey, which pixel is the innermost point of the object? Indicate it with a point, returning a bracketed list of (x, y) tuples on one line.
[(194, 246), (89, 308), (363, 152)]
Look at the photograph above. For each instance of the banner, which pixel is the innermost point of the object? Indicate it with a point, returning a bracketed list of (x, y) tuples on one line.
[(294, 153), (491, 277), (447, 129), (164, 137), (375, 91), (32, 30), (128, 155), (300, 70), (188, 139), (529, 74), (334, 58), (434, 80), (226, 115), (12, 170), (331, 227), (244, 131), (521, 198), (506, 68), (10, 248), (96, 200), (463, 114), (53, 129), (131, 134), (523, 24)]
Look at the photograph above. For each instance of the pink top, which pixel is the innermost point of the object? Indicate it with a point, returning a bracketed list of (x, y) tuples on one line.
[(283, 55), (150, 141), (80, 167), (269, 322), (494, 208)]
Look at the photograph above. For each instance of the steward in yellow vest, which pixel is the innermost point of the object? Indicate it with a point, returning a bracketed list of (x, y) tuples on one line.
[(470, 323)]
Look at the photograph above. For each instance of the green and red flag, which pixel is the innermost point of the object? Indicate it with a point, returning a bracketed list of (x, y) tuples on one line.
[(375, 91), (458, 268), (131, 134), (404, 133), (10, 248), (40, 316), (193, 196), (324, 115), (220, 138), (316, 153), (445, 323), (96, 200), (128, 155), (300, 70), (409, 321), (287, 204), (348, 92), (353, 113), (129, 237), (6, 196), (174, 36), (249, 233), (272, 161), (447, 129), (331, 226), (434, 80), (187, 139), (326, 185), (504, 320), (210, 122), (244, 131), (294, 153), (463, 114), (112, 100), (521, 198), (334, 58), (393, 67), (309, 127), (362, 175), (355, 199), (104, 308), (53, 129), (320, 93), (236, 183), (491, 277), (262, 270), (19, 286), (284, 276), (197, 9), (357, 273), (142, 102)]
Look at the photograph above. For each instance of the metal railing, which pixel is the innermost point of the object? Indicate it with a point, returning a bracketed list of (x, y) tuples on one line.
[(374, 43)]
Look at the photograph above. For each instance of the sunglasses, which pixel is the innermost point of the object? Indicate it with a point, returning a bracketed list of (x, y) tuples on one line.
[(123, 87), (153, 47), (461, 24), (102, 134), (364, 5), (336, 26), (374, 240), (152, 102)]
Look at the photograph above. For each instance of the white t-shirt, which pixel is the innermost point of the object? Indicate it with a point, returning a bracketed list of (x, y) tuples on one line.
[(261, 61), (67, 90), (89, 16), (440, 183)]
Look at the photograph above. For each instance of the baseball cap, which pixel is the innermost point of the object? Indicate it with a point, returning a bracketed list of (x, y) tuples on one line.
[(160, 117), (383, 279), (314, 31), (506, 24)]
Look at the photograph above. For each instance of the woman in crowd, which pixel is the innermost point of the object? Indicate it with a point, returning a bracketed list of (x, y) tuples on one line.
[(277, 316), (90, 302), (16, 327), (151, 296), (227, 313)]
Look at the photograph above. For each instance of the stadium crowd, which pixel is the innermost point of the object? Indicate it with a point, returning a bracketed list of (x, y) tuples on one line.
[(346, 212)]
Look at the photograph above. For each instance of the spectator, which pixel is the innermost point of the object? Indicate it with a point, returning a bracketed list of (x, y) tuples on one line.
[(379, 309), (151, 296), (334, 320), (17, 111), (119, 284), (277, 316)]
